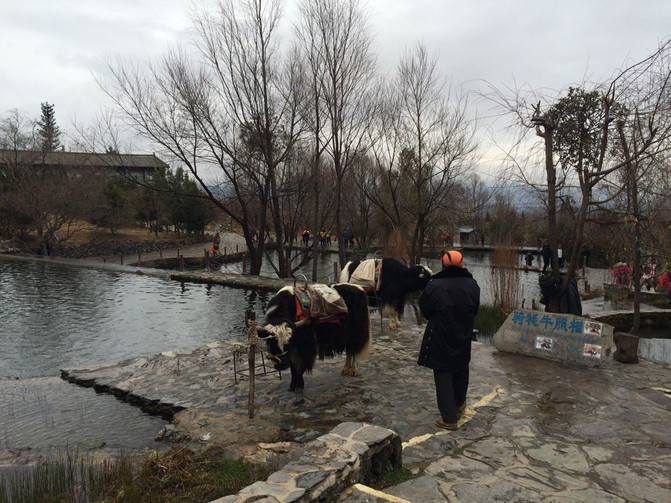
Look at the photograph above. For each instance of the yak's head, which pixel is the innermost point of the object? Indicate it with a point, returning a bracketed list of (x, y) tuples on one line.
[(422, 274), (279, 327), (277, 339)]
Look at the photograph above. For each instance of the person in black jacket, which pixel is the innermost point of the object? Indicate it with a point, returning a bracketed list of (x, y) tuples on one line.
[(547, 257), (449, 302)]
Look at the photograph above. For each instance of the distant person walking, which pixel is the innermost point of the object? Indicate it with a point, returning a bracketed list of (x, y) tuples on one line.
[(305, 234), (584, 256), (547, 256), (449, 302), (346, 240)]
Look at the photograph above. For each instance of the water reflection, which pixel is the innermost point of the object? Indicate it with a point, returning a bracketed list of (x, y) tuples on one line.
[(53, 317), (47, 412)]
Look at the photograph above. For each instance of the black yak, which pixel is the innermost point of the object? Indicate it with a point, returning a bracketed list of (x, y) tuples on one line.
[(388, 282), (316, 321)]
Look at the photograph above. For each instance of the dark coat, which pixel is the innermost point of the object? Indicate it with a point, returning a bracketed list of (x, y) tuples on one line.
[(569, 302), (450, 302)]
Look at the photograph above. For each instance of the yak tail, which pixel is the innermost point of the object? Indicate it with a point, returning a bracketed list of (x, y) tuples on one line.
[(363, 354), (368, 329), (358, 326)]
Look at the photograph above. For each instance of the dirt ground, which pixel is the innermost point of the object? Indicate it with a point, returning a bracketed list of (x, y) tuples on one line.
[(89, 235)]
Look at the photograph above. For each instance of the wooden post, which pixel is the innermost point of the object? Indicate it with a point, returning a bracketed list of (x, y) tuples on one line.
[(207, 260), (181, 263), (626, 347), (244, 263), (289, 271), (139, 259), (253, 339), (335, 271)]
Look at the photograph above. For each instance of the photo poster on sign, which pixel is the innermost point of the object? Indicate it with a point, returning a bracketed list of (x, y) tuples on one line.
[(592, 351), (556, 336)]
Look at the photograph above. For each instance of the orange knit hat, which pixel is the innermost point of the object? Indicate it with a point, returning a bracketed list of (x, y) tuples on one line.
[(453, 257)]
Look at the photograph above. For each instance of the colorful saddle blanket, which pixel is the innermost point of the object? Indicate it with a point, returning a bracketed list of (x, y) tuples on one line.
[(319, 304)]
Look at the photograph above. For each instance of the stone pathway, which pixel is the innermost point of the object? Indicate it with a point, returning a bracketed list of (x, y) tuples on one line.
[(535, 430)]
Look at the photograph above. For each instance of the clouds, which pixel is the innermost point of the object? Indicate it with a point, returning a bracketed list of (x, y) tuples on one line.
[(49, 50), (547, 44)]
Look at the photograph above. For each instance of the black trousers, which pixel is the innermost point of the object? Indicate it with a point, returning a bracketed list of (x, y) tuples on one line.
[(451, 388)]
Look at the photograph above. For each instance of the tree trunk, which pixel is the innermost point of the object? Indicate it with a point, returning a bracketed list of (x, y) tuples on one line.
[(552, 304)]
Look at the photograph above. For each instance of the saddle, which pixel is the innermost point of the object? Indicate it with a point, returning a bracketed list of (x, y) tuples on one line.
[(319, 304), (368, 275)]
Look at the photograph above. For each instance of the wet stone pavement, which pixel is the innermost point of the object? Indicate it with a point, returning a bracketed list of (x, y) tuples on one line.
[(534, 429)]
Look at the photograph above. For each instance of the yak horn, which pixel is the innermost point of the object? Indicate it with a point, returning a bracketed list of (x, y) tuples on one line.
[(301, 323)]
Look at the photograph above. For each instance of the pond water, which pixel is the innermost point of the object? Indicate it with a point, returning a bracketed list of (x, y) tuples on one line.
[(54, 317)]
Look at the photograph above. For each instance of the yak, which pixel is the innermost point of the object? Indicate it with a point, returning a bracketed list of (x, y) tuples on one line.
[(387, 282), (303, 323)]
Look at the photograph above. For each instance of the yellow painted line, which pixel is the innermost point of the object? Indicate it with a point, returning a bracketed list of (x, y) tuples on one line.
[(417, 440), (664, 390), (484, 401), (379, 494), (469, 414)]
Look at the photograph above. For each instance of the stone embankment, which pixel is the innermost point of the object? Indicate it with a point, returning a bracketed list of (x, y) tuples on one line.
[(350, 454)]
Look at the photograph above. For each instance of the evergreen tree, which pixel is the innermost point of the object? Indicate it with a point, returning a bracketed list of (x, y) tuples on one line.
[(186, 207), (48, 130)]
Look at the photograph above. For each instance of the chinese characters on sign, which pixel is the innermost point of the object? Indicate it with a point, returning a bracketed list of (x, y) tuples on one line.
[(554, 332)]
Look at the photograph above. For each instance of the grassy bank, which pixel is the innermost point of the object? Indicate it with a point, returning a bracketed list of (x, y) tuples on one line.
[(489, 319), (177, 475)]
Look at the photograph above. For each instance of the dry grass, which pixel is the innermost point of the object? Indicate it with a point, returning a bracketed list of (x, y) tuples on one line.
[(506, 290), (397, 247), (82, 233), (94, 235)]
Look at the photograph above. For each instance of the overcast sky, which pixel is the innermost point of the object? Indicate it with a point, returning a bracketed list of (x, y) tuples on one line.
[(49, 49)]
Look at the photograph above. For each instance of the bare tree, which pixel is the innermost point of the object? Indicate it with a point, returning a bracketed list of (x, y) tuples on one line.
[(389, 187), (17, 132), (235, 109), (643, 140), (36, 196), (308, 46), (51, 200), (426, 142), (338, 44), (478, 200)]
